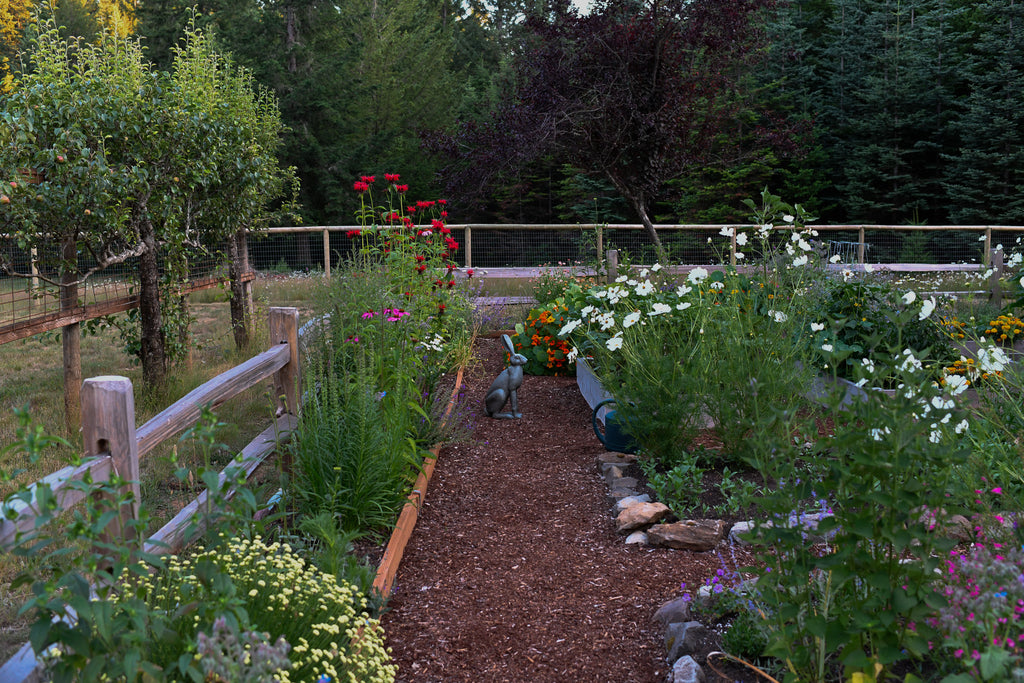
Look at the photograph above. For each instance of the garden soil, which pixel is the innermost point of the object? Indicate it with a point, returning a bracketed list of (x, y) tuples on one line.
[(514, 571)]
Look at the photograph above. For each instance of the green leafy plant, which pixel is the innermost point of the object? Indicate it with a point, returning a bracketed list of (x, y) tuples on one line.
[(538, 340)]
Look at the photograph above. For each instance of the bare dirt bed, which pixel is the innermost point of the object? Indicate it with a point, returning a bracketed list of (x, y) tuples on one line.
[(515, 572)]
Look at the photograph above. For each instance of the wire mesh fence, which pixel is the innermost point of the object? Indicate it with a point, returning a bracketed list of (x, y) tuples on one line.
[(531, 246), (30, 289)]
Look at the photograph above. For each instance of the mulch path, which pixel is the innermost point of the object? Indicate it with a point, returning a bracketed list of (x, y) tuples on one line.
[(515, 572)]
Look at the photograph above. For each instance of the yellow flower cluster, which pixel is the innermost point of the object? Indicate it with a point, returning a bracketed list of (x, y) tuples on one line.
[(1005, 328), (324, 620), (966, 367), (953, 327)]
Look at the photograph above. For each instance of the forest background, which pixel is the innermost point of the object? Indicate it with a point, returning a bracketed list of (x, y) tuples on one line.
[(876, 111)]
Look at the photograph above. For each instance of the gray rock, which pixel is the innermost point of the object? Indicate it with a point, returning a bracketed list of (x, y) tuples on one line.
[(740, 533), (685, 638), (624, 503), (621, 459), (624, 483), (636, 538), (612, 474), (641, 515), (674, 611), (686, 670), (698, 535)]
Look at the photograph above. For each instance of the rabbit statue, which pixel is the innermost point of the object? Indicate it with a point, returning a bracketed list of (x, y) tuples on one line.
[(505, 385)]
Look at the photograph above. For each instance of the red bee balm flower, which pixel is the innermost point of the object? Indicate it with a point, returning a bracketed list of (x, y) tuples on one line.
[(440, 308), (360, 186), (368, 178), (402, 189), (420, 258), (469, 273), (391, 177)]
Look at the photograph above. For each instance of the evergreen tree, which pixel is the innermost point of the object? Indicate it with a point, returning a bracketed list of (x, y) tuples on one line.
[(985, 177)]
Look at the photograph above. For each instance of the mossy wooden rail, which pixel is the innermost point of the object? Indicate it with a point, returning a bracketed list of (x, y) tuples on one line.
[(113, 446)]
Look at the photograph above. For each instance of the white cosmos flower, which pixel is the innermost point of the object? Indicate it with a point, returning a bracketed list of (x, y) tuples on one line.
[(587, 310), (683, 306), (606, 320), (1015, 260), (656, 267), (631, 319), (573, 353), (1022, 282), (778, 316), (961, 426), (991, 358), (957, 383), (659, 309), (861, 382), (981, 239), (868, 268), (615, 343), (787, 218), (941, 404), (804, 245), (869, 365), (800, 260), (817, 327), (877, 434), (935, 435), (827, 348), (764, 230), (927, 306), (622, 278), (740, 255), (569, 327), (910, 363), (836, 258), (847, 274), (644, 272), (644, 288), (726, 232), (909, 298), (683, 290), (600, 294), (697, 276), (790, 250), (741, 239), (717, 286)]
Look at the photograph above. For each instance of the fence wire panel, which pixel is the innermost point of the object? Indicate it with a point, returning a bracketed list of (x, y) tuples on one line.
[(30, 284), (522, 247), (924, 246)]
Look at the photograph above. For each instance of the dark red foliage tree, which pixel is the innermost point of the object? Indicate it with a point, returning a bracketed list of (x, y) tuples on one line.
[(636, 91)]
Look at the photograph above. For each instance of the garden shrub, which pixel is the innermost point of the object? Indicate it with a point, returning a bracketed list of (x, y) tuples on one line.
[(267, 589)]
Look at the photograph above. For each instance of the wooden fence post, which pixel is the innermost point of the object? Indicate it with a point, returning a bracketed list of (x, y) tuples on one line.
[(327, 254), (861, 246), (108, 426), (995, 288), (468, 239), (284, 329), (612, 259)]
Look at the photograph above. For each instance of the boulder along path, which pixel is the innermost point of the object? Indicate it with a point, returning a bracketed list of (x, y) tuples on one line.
[(514, 571)]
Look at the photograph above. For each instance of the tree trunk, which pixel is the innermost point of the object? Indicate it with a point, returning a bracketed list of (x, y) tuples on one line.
[(240, 310), (71, 340), (151, 338)]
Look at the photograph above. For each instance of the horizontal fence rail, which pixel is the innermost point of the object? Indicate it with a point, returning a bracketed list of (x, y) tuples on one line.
[(288, 249)]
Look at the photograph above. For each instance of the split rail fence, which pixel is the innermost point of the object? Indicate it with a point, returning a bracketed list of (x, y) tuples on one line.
[(113, 446)]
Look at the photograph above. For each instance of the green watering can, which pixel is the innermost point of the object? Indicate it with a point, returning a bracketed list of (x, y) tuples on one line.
[(615, 437)]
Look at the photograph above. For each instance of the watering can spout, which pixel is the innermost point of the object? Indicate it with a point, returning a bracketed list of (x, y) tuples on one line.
[(614, 438)]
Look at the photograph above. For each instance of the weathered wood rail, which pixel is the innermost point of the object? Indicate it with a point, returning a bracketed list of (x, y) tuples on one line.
[(113, 446)]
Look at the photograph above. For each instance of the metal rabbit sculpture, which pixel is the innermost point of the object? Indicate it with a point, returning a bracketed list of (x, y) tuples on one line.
[(505, 385)]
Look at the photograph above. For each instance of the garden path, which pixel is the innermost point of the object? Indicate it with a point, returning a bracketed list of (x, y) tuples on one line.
[(514, 571)]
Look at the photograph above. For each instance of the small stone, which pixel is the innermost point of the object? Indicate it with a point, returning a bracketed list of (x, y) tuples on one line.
[(698, 535), (959, 528), (612, 474), (686, 638), (613, 458), (624, 503), (640, 515), (686, 670), (636, 538), (740, 533), (624, 483), (674, 611)]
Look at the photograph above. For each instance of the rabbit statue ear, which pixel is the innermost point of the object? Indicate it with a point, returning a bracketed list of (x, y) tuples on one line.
[(508, 343)]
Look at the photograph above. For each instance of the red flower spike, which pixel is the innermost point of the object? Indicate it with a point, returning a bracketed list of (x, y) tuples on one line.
[(436, 224), (410, 209), (444, 214), (451, 283), (420, 268), (469, 273), (352, 234), (368, 178), (442, 202), (420, 258), (402, 189), (360, 186), (391, 177), (440, 308)]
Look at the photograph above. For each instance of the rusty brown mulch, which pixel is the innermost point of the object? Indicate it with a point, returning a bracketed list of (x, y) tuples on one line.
[(514, 571)]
